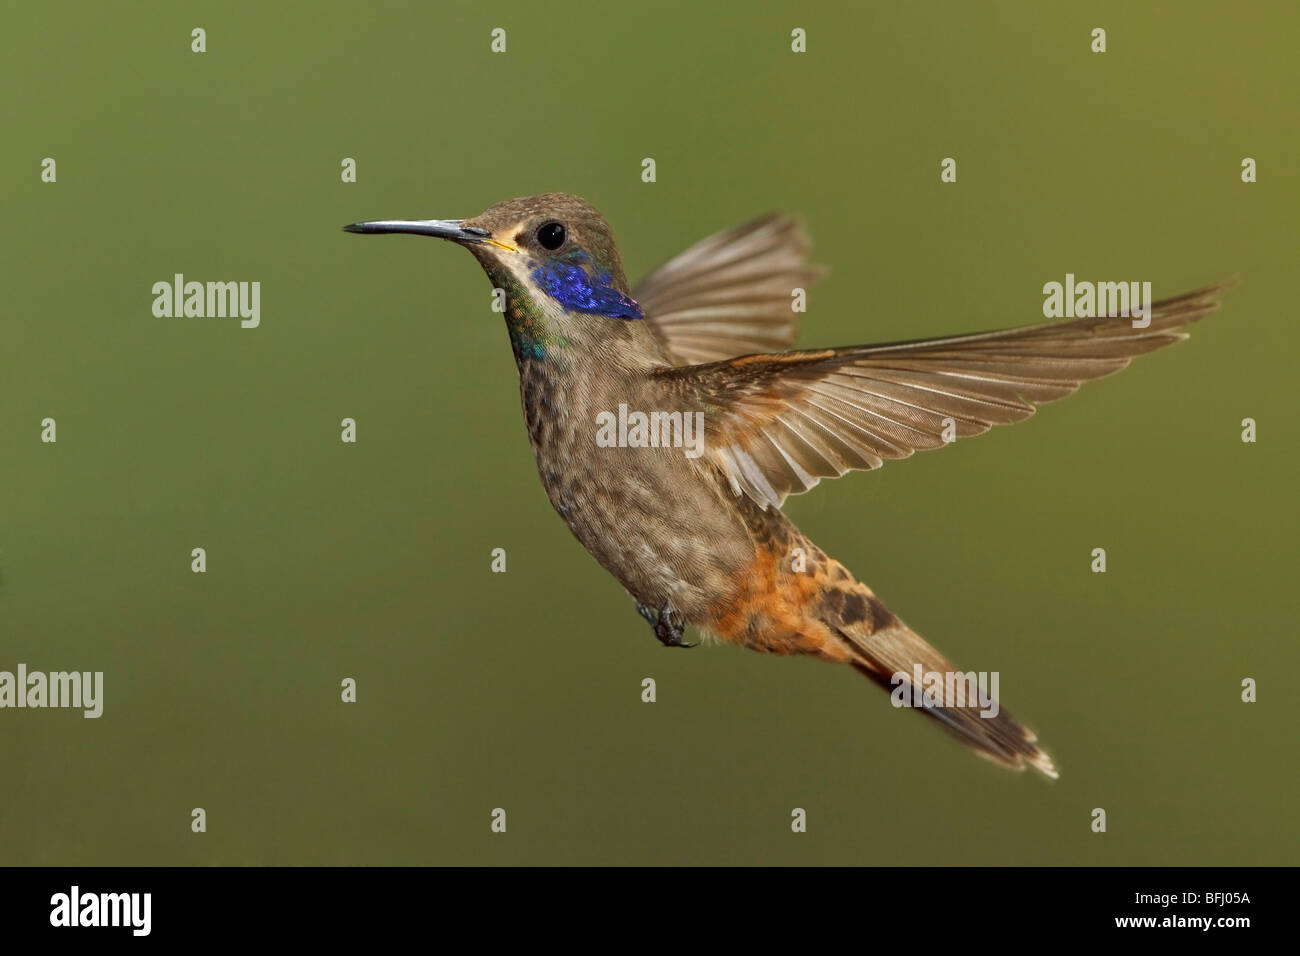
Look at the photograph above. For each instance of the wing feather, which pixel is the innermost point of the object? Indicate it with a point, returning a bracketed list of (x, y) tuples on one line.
[(778, 423), (730, 294)]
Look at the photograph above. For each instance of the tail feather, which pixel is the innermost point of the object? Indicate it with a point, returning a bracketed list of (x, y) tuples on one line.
[(821, 610), (889, 656)]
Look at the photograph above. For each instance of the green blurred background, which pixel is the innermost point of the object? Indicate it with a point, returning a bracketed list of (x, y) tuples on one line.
[(522, 690)]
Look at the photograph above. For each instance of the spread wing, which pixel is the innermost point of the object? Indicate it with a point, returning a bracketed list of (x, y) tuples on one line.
[(778, 423), (730, 294)]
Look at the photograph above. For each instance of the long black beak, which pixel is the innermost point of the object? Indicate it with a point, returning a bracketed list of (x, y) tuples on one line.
[(439, 228)]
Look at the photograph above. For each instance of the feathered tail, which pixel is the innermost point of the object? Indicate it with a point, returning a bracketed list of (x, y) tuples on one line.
[(891, 655), (823, 611)]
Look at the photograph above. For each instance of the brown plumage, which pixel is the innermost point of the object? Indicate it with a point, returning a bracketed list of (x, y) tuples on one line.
[(700, 540)]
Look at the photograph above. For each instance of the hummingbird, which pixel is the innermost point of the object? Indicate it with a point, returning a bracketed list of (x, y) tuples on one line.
[(701, 540)]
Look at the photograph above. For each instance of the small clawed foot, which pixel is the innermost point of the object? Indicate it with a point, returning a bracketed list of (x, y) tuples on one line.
[(668, 625)]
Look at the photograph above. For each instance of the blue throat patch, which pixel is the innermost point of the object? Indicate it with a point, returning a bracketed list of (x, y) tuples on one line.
[(573, 288)]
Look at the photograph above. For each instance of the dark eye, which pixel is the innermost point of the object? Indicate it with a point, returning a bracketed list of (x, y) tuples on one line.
[(551, 235)]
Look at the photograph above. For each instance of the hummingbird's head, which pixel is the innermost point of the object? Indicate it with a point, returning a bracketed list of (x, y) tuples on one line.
[(555, 259)]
